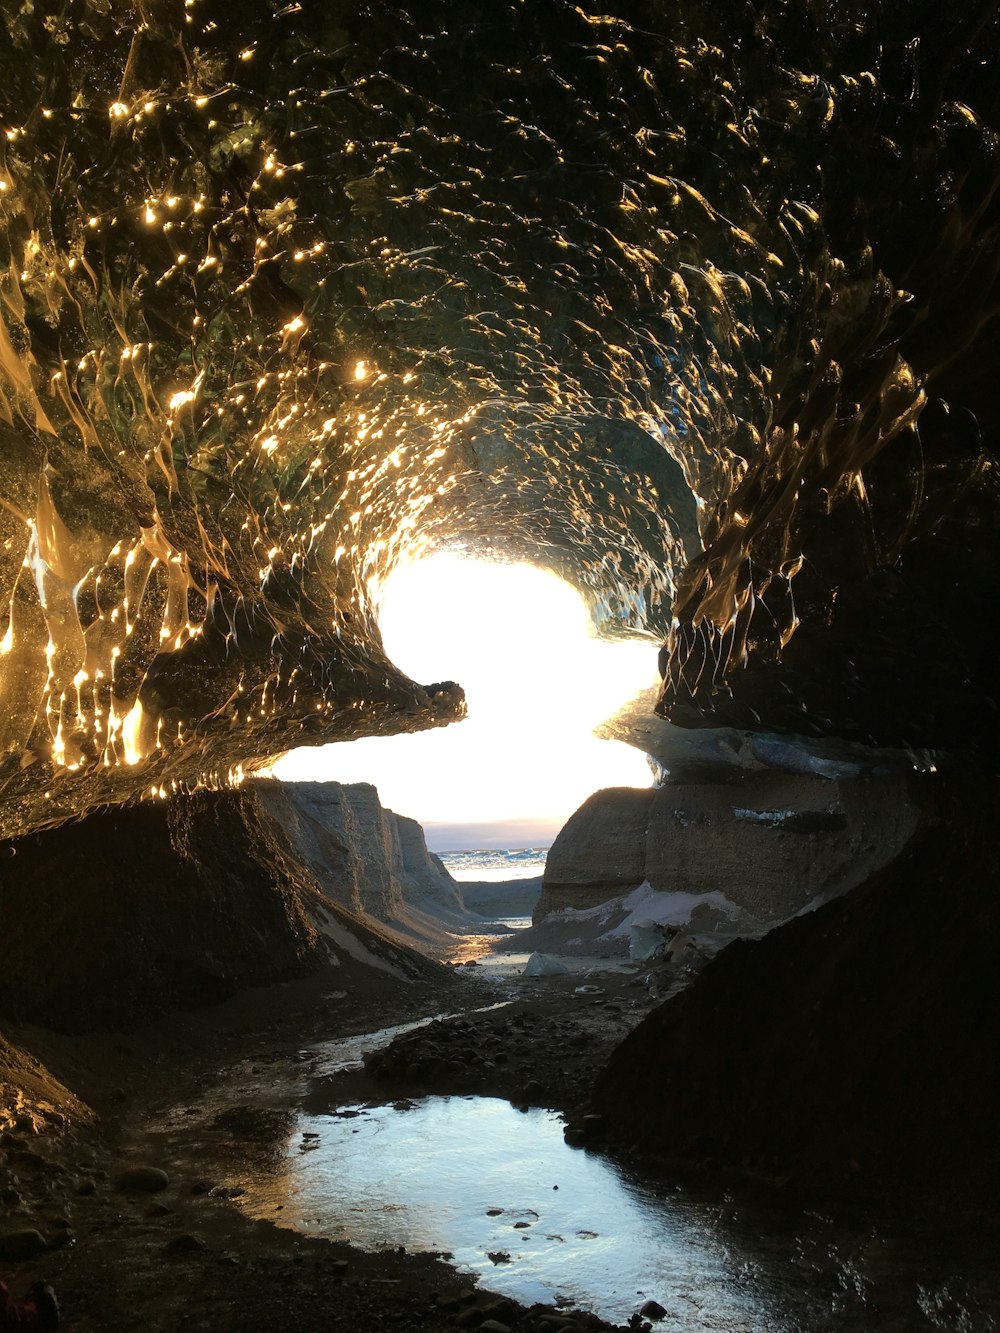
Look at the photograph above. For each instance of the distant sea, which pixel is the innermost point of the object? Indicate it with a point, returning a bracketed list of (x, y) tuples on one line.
[(496, 864)]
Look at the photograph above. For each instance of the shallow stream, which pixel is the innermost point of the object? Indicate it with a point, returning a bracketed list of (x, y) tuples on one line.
[(500, 1193)]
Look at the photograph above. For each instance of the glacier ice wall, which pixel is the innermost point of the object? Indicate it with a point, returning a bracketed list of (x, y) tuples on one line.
[(692, 304)]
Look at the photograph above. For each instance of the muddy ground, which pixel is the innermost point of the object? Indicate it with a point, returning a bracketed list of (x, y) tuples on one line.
[(148, 1254)]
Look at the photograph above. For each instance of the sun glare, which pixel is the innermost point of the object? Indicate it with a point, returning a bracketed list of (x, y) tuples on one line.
[(537, 679)]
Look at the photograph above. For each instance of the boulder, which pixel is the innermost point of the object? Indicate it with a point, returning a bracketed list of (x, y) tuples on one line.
[(853, 1044), (23, 1244), (544, 965), (142, 1180)]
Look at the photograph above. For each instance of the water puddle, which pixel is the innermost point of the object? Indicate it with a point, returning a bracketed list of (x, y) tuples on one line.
[(500, 1191)]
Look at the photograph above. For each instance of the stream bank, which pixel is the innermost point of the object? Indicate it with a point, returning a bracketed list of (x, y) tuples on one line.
[(217, 1099), (182, 1254)]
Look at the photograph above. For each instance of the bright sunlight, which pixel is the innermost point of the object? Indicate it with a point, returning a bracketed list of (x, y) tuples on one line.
[(520, 642)]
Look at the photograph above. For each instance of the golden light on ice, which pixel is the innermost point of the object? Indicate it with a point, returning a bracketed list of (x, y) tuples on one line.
[(537, 680)]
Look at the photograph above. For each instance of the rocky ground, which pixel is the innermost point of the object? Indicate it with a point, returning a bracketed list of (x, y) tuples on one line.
[(87, 1206)]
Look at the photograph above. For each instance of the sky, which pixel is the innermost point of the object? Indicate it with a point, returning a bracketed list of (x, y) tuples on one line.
[(537, 680)]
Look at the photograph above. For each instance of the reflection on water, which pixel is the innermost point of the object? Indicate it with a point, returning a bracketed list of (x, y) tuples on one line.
[(474, 1177), (501, 1191)]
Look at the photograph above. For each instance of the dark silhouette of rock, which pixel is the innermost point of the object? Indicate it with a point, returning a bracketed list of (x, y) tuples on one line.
[(142, 1180), (854, 1048), (132, 912)]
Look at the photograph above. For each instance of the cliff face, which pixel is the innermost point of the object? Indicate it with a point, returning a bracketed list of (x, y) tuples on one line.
[(365, 857), (771, 842)]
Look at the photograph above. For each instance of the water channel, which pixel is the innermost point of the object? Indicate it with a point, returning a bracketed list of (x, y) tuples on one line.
[(498, 1191)]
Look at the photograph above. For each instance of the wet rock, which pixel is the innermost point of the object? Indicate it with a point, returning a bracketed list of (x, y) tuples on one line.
[(26, 1243), (142, 1180), (85, 1187), (493, 1326), (652, 1310), (503, 1310), (593, 1126), (28, 1157), (186, 1243), (158, 1210)]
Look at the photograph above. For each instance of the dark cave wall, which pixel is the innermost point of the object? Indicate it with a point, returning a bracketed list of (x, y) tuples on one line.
[(854, 1047), (132, 912)]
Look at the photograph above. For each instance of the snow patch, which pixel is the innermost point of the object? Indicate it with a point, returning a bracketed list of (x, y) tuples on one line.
[(646, 904)]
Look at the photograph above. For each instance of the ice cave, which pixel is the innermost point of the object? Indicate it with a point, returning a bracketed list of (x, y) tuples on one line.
[(692, 304)]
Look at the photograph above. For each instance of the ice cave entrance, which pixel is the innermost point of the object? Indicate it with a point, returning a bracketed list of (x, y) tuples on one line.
[(521, 641)]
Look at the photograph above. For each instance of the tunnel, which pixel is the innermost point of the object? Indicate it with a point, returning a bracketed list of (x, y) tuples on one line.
[(693, 305)]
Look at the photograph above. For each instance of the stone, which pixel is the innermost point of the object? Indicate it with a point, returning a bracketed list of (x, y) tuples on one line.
[(186, 1243), (652, 1310), (142, 1180), (503, 1309), (23, 1244), (493, 1326), (544, 965)]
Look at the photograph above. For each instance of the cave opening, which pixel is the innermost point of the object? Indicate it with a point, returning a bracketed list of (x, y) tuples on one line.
[(696, 307), (537, 677)]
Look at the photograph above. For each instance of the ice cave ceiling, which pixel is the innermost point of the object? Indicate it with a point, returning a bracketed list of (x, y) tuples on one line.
[(692, 303)]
